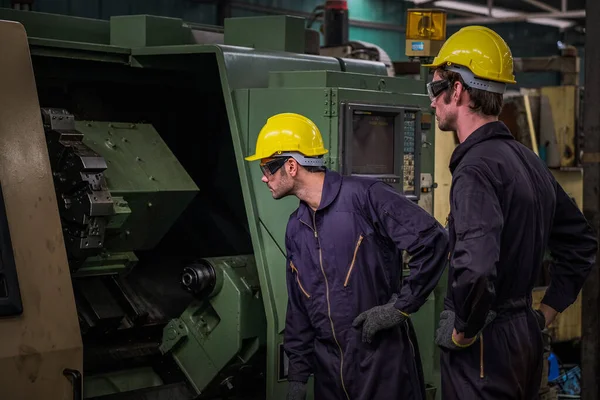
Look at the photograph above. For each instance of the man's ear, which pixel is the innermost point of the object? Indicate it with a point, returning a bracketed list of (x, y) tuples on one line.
[(292, 167), (460, 92)]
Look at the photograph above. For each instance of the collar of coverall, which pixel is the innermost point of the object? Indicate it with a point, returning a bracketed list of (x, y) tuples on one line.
[(491, 130), (331, 189)]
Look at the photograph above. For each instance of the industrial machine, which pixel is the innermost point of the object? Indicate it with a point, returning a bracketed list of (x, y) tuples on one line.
[(336, 35), (148, 257)]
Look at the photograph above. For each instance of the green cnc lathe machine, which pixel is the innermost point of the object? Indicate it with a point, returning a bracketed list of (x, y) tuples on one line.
[(160, 272)]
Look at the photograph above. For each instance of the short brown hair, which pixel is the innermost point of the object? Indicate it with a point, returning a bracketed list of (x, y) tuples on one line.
[(482, 101)]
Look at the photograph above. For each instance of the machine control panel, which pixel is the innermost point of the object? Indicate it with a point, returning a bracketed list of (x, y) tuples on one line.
[(410, 131), (390, 180), (382, 142)]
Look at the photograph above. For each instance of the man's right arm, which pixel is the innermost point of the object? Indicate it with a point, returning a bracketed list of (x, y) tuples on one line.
[(299, 334), (573, 248)]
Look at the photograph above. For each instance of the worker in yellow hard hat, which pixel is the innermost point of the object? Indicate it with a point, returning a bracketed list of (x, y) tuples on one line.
[(348, 316), (506, 209), (286, 137)]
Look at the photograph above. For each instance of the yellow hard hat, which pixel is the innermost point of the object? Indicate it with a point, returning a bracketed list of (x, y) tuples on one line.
[(479, 49), (286, 133)]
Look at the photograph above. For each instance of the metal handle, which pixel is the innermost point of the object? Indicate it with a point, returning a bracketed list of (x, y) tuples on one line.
[(75, 377)]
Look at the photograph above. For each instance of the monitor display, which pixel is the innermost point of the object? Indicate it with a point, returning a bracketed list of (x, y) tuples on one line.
[(373, 143)]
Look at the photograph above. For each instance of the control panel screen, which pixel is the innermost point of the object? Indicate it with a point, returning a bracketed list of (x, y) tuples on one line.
[(373, 143), (382, 142)]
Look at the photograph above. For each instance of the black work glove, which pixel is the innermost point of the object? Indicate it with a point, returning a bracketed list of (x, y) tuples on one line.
[(379, 318), (443, 334), (296, 390), (541, 319)]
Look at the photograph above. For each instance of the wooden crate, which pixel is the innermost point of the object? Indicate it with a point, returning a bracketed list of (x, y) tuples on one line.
[(567, 325)]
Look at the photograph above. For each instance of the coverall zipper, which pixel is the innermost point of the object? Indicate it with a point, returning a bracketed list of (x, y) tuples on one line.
[(298, 279), (329, 304), (360, 239), (481, 370)]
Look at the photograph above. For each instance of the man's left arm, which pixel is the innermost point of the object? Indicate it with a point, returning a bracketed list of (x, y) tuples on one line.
[(413, 229), (478, 223)]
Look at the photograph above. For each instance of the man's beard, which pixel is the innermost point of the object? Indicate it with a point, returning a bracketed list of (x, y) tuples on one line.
[(448, 124), (281, 194), (284, 189)]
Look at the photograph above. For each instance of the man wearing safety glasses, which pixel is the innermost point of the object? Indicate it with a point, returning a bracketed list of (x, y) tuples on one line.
[(348, 315), (506, 210)]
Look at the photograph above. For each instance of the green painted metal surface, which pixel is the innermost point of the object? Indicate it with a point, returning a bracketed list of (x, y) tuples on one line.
[(148, 30), (209, 335), (120, 382), (143, 171), (341, 79), (107, 263), (60, 27), (276, 33), (230, 91)]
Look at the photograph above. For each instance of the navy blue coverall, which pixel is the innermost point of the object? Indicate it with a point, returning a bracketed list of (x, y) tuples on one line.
[(506, 211), (344, 259)]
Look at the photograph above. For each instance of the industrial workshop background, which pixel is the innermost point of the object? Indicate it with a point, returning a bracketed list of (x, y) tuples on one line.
[(381, 22), (112, 74)]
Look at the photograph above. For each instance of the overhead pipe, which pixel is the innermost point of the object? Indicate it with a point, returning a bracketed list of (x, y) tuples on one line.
[(516, 18), (542, 5)]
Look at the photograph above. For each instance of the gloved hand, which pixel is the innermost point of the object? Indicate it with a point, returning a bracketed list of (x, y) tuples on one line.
[(296, 391), (443, 334), (541, 319), (379, 318)]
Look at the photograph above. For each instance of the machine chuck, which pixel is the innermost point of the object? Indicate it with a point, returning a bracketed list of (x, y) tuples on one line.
[(199, 279)]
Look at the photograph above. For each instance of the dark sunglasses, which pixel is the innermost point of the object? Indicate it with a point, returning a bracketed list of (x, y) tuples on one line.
[(271, 167), (435, 88)]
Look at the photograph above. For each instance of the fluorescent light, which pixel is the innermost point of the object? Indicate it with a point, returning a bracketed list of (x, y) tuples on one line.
[(498, 12), (475, 9), (559, 23)]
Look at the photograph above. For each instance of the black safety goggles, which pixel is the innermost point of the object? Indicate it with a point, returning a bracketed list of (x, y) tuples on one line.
[(271, 167), (435, 88)]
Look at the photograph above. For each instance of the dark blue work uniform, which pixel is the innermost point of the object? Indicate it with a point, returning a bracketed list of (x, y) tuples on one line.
[(345, 259), (506, 211)]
